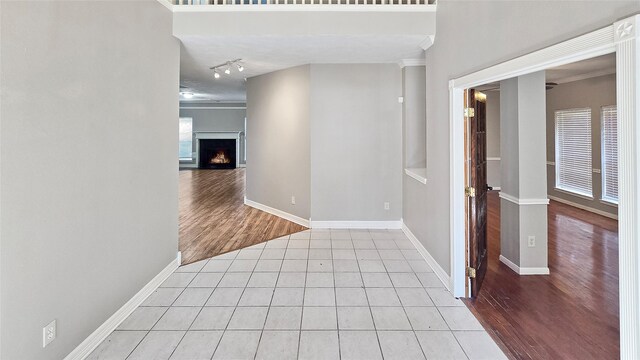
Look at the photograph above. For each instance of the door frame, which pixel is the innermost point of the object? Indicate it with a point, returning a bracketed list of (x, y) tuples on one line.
[(623, 39)]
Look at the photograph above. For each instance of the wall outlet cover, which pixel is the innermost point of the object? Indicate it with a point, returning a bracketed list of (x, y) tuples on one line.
[(293, 200), (48, 333), (386, 206), (532, 241)]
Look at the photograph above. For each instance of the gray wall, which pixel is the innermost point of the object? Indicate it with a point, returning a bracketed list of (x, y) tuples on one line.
[(216, 120), (522, 124), (356, 142), (493, 138), (89, 95), (278, 145), (414, 116), (493, 32), (593, 93)]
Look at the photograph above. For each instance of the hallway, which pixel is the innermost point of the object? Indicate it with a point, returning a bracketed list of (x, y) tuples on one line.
[(317, 294), (214, 220), (571, 314)]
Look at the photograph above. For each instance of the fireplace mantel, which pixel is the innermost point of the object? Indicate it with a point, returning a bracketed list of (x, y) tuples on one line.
[(218, 135)]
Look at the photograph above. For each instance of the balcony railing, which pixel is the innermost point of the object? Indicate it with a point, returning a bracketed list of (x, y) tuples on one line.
[(303, 2)]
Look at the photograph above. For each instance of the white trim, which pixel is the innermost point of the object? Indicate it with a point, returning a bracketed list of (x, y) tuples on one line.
[(437, 269), (304, 7), (166, 4), (419, 174), (524, 271), (584, 207), (427, 42), (623, 39), (226, 135), (356, 224), (285, 215), (493, 159), (627, 40), (497, 188), (92, 341), (213, 108), (457, 223), (411, 62), (573, 193), (596, 43), (242, 165), (519, 201)]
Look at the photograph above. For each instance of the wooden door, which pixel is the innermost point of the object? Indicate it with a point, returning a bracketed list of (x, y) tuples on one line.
[(477, 188)]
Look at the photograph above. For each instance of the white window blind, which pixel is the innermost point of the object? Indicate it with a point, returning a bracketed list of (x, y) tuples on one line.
[(573, 151), (610, 154)]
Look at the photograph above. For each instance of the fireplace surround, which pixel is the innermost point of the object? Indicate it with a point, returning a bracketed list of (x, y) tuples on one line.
[(217, 150)]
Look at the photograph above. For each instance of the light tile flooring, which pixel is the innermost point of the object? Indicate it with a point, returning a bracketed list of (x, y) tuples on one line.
[(320, 294)]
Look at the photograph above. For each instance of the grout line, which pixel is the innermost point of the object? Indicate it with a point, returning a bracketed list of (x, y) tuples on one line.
[(335, 296), (364, 288), (270, 302)]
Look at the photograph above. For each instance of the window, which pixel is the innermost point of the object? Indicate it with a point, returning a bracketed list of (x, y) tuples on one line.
[(573, 151), (185, 139), (610, 154)]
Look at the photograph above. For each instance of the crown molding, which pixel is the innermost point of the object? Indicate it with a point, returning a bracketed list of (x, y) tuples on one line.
[(411, 62), (427, 42)]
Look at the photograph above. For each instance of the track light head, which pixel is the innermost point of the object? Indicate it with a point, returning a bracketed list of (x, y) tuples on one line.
[(216, 74), (240, 67), (228, 70)]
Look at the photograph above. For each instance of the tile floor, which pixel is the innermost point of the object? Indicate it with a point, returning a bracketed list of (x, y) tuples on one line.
[(318, 294)]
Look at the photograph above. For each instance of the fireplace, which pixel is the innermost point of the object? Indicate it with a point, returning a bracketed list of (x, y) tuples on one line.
[(217, 154)]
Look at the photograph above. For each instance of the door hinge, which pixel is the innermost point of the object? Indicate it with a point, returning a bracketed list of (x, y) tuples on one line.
[(470, 191), (469, 112), (471, 272)]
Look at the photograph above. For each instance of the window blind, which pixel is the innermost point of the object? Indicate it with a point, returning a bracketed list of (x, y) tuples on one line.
[(610, 153), (573, 151)]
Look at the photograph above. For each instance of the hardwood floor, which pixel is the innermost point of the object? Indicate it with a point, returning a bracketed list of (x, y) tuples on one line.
[(571, 314), (214, 220)]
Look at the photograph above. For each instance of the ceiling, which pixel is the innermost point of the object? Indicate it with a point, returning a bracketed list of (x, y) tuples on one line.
[(264, 54), (585, 69)]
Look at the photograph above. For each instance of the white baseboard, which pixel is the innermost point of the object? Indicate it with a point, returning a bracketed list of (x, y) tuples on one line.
[(437, 269), (584, 207), (397, 224), (524, 271), (285, 215), (497, 188), (92, 341)]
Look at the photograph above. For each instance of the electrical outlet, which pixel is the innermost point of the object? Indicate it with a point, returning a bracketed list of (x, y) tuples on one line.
[(532, 241), (386, 206), (401, 99), (48, 333), (293, 200)]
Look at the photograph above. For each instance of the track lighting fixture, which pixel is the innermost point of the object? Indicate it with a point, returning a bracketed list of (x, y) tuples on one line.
[(227, 67)]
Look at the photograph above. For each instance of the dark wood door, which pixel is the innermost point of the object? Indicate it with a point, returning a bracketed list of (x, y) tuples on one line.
[(477, 191)]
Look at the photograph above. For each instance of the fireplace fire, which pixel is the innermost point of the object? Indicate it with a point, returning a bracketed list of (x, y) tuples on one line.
[(217, 154), (220, 158)]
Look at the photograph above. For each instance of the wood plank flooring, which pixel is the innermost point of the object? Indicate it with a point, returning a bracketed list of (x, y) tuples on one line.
[(572, 313), (214, 220)]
